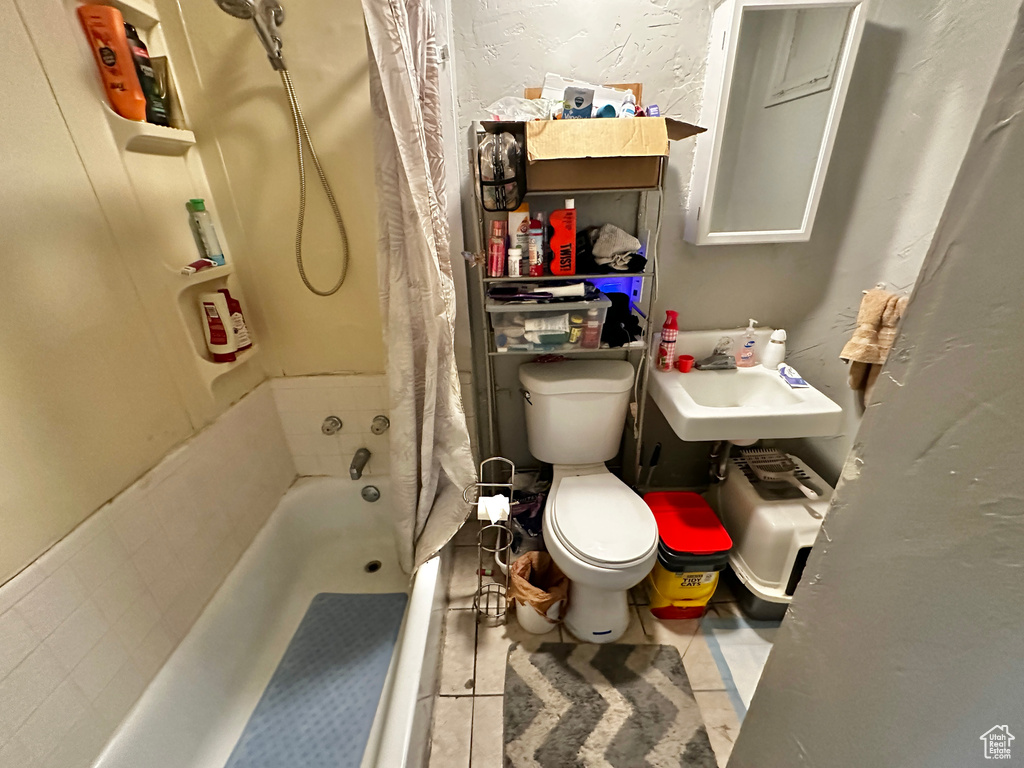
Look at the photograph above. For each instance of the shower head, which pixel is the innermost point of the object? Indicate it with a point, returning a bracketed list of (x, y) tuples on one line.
[(266, 16)]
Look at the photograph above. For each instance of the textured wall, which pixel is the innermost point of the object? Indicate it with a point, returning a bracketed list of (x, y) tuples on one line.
[(905, 642), (917, 90), (242, 119)]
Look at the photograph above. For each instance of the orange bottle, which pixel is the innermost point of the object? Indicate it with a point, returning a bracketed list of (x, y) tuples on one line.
[(104, 26), (563, 239)]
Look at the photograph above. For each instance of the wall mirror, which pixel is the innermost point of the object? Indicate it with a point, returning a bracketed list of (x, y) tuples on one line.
[(776, 81)]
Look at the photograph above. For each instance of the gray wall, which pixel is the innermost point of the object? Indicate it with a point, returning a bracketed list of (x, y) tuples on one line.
[(917, 90), (905, 642)]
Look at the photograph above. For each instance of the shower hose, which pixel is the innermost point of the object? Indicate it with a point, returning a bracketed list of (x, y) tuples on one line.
[(301, 133)]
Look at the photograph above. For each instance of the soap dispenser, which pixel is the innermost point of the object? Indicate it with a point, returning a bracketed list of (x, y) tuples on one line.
[(775, 353), (745, 355)]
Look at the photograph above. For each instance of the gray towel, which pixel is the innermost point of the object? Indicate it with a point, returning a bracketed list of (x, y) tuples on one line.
[(614, 247)]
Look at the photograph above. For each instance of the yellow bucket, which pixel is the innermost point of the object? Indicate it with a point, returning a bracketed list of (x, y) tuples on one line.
[(680, 595)]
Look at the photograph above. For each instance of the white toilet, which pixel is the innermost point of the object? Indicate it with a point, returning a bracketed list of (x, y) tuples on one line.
[(601, 534)]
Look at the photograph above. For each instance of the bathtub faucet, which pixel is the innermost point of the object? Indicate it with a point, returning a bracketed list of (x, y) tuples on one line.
[(359, 463)]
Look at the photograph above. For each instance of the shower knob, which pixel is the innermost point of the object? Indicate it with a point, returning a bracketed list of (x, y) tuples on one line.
[(331, 425), (380, 425)]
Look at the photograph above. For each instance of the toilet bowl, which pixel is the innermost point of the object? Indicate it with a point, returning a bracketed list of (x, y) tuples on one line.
[(601, 534)]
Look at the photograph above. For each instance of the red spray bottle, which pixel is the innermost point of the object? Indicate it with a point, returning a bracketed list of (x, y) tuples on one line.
[(667, 348)]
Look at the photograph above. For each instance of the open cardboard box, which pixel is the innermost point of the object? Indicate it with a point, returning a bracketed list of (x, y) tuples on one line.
[(599, 153)]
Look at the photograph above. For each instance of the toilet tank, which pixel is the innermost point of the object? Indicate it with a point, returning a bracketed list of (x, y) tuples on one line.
[(576, 409)]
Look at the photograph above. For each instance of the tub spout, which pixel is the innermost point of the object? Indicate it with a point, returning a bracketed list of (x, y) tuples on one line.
[(359, 463)]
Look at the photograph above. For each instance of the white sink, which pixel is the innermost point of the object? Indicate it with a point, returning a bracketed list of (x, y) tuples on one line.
[(741, 405)]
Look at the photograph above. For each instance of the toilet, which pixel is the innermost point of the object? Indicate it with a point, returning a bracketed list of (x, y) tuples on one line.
[(601, 534)]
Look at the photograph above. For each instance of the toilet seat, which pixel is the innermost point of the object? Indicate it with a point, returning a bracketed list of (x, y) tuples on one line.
[(602, 522)]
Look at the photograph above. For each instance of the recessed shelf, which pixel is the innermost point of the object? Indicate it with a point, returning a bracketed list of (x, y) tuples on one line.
[(211, 371), (147, 138), (578, 192), (207, 275)]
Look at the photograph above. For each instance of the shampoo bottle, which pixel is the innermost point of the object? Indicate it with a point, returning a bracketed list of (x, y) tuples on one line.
[(104, 26), (745, 356), (220, 336), (667, 348), (563, 239), (237, 320), (205, 234), (156, 104)]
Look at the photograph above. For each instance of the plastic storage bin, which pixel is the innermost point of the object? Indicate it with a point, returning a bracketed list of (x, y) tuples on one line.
[(693, 547), (541, 328)]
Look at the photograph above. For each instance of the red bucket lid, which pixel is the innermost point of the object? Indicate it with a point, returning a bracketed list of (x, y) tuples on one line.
[(687, 524)]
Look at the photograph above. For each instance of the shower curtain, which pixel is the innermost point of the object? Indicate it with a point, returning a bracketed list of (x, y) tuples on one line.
[(431, 459)]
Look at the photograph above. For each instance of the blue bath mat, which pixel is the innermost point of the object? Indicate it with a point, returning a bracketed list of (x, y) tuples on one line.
[(318, 707)]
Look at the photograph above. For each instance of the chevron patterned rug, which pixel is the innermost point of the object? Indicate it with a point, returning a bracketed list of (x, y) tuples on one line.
[(602, 706)]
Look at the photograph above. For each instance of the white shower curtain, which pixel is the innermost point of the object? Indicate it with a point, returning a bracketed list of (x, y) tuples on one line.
[(431, 459)]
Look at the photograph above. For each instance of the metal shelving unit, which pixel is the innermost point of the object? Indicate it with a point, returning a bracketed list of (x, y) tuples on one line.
[(649, 206)]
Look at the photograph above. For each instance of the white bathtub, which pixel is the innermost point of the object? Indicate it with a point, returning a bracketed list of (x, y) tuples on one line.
[(318, 539)]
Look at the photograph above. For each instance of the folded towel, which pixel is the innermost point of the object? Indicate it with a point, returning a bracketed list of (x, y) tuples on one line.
[(615, 247), (863, 344), (866, 351)]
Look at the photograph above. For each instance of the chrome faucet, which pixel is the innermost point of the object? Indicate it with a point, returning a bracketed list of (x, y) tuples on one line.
[(362, 456)]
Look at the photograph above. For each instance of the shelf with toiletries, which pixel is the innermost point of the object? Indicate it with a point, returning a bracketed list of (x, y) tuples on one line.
[(140, 100), (208, 275), (548, 278), (149, 138)]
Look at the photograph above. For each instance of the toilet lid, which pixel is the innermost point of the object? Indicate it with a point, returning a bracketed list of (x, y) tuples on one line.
[(601, 521)]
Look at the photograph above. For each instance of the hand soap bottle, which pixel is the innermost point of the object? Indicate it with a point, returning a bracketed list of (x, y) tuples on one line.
[(745, 355)]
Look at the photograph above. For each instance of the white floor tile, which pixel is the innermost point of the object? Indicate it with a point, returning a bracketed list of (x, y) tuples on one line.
[(458, 652), (700, 666), (462, 586), (492, 644), (720, 719), (678, 632), (452, 732), (488, 729)]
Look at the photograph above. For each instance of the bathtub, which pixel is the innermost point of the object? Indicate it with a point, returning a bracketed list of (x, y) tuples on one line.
[(319, 539)]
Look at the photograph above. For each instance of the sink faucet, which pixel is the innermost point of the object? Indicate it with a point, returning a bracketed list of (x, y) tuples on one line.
[(362, 456)]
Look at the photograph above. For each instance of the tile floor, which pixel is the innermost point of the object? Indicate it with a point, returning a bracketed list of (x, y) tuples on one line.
[(467, 729)]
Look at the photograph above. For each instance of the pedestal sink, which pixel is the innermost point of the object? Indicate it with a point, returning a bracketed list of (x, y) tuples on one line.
[(740, 405)]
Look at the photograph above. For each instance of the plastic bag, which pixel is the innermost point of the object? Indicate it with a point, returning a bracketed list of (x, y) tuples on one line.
[(537, 582), (518, 108)]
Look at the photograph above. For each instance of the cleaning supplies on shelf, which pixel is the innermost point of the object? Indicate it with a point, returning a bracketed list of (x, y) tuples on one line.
[(104, 26), (220, 336), (204, 232), (237, 320), (156, 105), (667, 348), (535, 243), (775, 352), (563, 239), (496, 249), (519, 228), (745, 356)]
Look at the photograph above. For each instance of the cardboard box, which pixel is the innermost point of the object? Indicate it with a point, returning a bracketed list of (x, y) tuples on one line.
[(609, 153)]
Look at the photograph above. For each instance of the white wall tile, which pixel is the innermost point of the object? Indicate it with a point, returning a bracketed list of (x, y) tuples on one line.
[(73, 639), (54, 719), (16, 641), (86, 627)]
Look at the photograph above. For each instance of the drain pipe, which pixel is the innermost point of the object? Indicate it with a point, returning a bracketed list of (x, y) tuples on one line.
[(719, 460)]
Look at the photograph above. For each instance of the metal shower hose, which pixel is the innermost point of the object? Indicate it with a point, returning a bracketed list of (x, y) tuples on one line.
[(302, 133)]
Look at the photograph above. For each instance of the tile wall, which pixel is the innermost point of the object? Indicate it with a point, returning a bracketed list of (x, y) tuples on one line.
[(85, 627), (305, 401)]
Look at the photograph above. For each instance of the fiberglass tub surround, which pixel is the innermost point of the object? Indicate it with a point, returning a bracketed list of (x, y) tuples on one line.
[(320, 539)]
